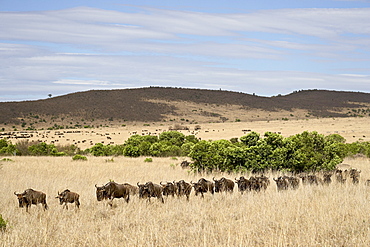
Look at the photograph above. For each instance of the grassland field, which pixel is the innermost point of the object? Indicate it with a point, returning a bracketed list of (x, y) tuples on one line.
[(334, 215)]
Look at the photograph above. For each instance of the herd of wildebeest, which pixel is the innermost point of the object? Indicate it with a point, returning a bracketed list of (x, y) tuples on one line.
[(181, 188)]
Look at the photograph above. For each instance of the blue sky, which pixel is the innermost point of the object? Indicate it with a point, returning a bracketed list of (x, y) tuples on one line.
[(262, 47)]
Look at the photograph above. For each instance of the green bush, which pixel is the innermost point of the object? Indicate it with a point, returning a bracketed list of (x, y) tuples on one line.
[(3, 223), (6, 147), (79, 157), (6, 159), (148, 160), (308, 151), (131, 151), (42, 149), (106, 150)]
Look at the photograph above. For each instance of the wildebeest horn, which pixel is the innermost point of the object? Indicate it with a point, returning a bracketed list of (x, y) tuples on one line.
[(160, 182), (15, 193), (96, 186), (137, 183)]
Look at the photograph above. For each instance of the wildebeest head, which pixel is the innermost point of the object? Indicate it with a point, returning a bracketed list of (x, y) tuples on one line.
[(62, 195), (281, 183), (143, 192), (198, 188), (101, 193), (218, 184), (22, 200)]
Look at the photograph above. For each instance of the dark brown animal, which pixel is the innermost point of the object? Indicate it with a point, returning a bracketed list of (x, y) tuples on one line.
[(29, 197), (259, 183), (282, 183), (183, 189), (133, 189), (327, 178), (169, 189), (154, 190), (113, 190), (185, 164), (68, 197), (243, 184), (224, 185), (143, 192), (354, 174), (340, 176), (101, 193), (311, 179), (293, 182), (203, 186)]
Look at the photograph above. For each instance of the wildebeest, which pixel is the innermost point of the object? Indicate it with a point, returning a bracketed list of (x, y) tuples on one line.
[(183, 188), (154, 190), (354, 174), (29, 197), (113, 190), (311, 179), (185, 164), (143, 192), (133, 189), (282, 183), (68, 197), (340, 176), (243, 184), (259, 183), (224, 185), (203, 186), (293, 182), (327, 178), (169, 189)]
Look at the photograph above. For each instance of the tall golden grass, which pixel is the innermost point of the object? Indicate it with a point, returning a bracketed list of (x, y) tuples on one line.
[(335, 215)]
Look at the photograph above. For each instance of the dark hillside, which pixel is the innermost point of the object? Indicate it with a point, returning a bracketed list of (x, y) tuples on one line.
[(132, 104)]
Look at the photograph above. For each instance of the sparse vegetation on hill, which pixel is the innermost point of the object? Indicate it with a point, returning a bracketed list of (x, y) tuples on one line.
[(98, 108)]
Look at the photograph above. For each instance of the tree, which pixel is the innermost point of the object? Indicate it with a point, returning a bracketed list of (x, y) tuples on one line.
[(174, 137), (251, 139)]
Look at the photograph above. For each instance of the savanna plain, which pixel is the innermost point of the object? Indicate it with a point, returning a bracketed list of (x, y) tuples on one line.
[(333, 215)]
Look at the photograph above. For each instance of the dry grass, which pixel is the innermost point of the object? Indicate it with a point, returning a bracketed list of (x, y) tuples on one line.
[(311, 216), (353, 129)]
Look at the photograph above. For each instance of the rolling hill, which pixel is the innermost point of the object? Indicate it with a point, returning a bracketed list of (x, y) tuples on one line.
[(155, 104)]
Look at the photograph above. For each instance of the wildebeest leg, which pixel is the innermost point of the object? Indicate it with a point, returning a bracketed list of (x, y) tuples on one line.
[(128, 198), (45, 205), (77, 202)]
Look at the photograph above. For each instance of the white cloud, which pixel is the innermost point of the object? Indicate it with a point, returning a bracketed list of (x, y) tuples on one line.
[(266, 52)]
